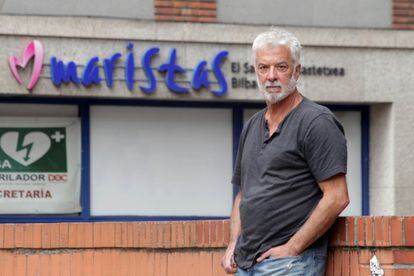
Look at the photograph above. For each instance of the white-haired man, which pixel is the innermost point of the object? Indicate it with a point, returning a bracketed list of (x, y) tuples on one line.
[(290, 167)]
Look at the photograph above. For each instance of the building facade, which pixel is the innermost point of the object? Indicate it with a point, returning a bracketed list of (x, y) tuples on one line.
[(141, 104)]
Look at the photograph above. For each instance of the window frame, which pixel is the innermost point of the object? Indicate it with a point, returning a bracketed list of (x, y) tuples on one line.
[(237, 109)]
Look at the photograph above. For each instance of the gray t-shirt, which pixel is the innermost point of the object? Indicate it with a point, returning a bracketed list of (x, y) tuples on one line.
[(278, 175)]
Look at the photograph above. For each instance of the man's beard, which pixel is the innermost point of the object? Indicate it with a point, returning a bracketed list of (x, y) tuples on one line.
[(275, 97)]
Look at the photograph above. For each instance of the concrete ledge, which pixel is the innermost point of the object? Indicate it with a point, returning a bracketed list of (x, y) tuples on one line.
[(108, 28), (186, 247)]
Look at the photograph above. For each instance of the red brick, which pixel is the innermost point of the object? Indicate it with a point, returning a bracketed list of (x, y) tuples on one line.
[(207, 233), (1, 235), (148, 235), (354, 263), (186, 4), (87, 263), (378, 231), (124, 234), (403, 19), (64, 265), (72, 235), (137, 229), (8, 236), (180, 234), (402, 26), (409, 231), (97, 234), (369, 233), (396, 231), (153, 234), (220, 233), (207, 19), (345, 263), (403, 12), (18, 235), (54, 235), (45, 264), (160, 234), (63, 235), (330, 263), (351, 231), (364, 256), (20, 264), (54, 264), (341, 223), (404, 257), (33, 264), (403, 272), (184, 11), (88, 235), (108, 234), (130, 235), (9, 259), (337, 262), (361, 229), (386, 231), (46, 233), (205, 263), (213, 231), (226, 232), (167, 235), (193, 233), (400, 5), (28, 235), (37, 235), (200, 230), (160, 259), (365, 271), (118, 235), (385, 256)]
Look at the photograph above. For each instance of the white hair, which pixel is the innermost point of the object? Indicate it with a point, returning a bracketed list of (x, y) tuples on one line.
[(276, 37)]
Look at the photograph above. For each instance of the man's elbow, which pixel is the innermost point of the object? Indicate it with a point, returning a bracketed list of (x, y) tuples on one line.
[(343, 202), (338, 202)]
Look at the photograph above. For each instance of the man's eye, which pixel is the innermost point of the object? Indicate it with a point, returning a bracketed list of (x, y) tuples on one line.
[(262, 69), (282, 68)]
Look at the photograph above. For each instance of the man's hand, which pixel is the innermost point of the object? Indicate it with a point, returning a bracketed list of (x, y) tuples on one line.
[(227, 262), (279, 251)]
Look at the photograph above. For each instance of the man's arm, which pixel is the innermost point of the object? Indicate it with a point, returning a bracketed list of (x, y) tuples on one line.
[(227, 262), (334, 201)]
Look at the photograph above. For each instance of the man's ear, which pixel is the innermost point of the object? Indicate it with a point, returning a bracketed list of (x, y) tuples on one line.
[(297, 71)]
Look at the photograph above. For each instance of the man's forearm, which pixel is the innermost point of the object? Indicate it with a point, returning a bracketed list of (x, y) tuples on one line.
[(235, 222), (333, 202)]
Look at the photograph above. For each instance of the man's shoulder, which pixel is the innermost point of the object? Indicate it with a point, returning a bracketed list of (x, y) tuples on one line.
[(310, 109), (318, 116)]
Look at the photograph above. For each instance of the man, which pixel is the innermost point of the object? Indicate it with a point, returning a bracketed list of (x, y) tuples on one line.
[(290, 167)]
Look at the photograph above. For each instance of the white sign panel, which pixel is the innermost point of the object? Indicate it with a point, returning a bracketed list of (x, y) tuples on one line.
[(40, 165)]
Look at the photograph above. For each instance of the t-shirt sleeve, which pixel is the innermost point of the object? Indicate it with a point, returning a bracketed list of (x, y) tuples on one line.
[(325, 147), (236, 179)]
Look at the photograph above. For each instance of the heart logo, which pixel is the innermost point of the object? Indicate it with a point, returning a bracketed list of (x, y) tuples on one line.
[(33, 50), (33, 146)]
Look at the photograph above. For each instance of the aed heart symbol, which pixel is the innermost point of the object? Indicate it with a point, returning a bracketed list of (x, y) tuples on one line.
[(33, 146), (33, 50)]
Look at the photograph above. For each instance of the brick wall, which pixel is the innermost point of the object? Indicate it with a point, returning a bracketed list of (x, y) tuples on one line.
[(186, 10), (185, 248), (403, 14)]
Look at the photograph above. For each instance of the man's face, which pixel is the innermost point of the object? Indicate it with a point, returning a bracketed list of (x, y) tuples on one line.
[(276, 73)]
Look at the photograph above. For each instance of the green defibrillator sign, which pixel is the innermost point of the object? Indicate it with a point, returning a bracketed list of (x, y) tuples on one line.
[(35, 150)]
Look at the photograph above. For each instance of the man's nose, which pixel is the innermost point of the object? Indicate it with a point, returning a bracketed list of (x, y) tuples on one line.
[(271, 74)]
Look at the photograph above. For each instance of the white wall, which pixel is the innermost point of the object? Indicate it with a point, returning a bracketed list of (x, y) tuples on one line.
[(321, 13), (152, 161)]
